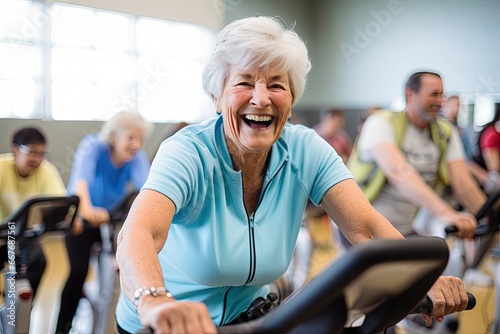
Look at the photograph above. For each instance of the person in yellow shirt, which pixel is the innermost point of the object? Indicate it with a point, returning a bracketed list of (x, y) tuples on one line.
[(24, 173)]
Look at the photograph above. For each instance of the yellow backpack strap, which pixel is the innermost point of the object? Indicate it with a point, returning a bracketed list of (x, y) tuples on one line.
[(367, 174)]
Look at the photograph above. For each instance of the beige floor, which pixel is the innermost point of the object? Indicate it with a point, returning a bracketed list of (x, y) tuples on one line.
[(46, 306)]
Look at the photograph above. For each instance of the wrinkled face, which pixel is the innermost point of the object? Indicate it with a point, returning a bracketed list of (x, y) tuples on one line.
[(28, 157), (428, 100), (126, 143), (255, 105)]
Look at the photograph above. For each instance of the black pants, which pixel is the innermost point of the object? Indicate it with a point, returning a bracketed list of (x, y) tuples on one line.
[(78, 248), (32, 255)]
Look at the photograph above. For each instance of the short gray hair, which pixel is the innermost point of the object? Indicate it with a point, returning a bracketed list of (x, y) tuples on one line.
[(257, 42), (123, 120)]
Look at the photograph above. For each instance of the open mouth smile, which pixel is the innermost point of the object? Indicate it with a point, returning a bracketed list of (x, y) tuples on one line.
[(258, 121)]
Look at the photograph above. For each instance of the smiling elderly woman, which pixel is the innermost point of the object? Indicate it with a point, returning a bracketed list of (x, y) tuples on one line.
[(217, 220)]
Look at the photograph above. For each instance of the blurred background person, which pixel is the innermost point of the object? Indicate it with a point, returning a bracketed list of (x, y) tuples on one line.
[(450, 111), (488, 151), (25, 173), (403, 161), (106, 167), (331, 128)]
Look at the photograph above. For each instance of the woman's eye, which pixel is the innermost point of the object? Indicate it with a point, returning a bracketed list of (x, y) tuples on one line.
[(277, 86), (243, 83)]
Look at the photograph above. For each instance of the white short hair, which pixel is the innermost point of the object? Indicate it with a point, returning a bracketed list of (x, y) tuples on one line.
[(257, 42), (124, 120)]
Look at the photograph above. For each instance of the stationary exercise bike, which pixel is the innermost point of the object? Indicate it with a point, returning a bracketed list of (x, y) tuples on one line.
[(35, 217), (102, 295), (485, 234), (488, 217), (368, 289)]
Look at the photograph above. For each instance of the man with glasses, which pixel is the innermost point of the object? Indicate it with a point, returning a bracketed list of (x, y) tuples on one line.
[(25, 173)]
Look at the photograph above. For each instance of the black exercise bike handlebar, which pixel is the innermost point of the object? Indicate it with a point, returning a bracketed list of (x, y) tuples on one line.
[(383, 280), (483, 211), (424, 307), (53, 213)]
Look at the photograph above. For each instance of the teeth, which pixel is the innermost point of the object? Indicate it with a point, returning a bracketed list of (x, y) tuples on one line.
[(258, 118)]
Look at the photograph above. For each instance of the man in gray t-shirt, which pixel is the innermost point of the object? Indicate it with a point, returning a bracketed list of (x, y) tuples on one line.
[(411, 166), (414, 158), (419, 151)]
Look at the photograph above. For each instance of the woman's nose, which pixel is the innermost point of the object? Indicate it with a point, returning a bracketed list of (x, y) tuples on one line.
[(136, 143), (260, 97)]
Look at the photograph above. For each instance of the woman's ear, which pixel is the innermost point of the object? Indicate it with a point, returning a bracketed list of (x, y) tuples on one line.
[(112, 140), (216, 102)]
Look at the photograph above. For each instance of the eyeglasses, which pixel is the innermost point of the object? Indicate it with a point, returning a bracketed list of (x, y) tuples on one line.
[(26, 150)]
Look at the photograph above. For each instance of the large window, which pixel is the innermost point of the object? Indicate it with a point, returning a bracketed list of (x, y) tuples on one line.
[(21, 58), (68, 62), (170, 61)]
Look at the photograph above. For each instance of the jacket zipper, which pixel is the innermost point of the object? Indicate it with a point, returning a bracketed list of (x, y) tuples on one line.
[(224, 308), (251, 232), (251, 236)]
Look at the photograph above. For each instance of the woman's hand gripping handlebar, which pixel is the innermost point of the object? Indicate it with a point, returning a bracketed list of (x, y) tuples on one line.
[(425, 306)]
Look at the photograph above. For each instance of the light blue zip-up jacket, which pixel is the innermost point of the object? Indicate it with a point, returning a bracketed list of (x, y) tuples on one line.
[(215, 253)]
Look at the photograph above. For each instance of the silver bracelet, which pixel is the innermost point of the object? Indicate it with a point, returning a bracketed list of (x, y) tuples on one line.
[(155, 292)]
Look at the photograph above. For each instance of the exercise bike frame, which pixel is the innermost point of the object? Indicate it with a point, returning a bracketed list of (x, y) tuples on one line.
[(103, 303), (491, 211), (35, 217)]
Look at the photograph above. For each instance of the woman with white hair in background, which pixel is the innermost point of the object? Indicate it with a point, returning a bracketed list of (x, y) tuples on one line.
[(106, 167)]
